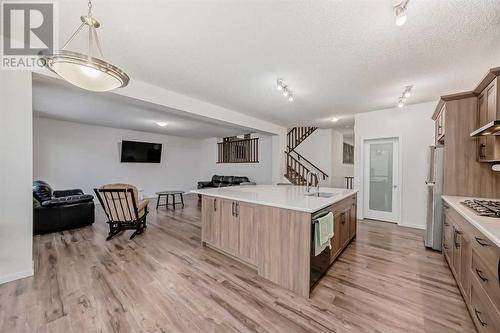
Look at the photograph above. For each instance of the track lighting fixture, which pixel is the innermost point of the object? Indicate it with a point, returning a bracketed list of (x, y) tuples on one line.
[(404, 96), (281, 86), (400, 11)]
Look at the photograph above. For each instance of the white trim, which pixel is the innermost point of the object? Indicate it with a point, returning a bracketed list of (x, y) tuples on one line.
[(411, 225), (16, 276), (361, 182)]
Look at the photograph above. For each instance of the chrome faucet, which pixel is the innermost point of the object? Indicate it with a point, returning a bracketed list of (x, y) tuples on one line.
[(309, 180)]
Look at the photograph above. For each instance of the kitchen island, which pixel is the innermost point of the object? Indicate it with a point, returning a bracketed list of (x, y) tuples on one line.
[(269, 228)]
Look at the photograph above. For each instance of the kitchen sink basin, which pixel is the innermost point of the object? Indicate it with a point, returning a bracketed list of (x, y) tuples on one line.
[(320, 194)]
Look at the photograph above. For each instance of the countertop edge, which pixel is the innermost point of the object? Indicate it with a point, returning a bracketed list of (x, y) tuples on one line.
[(298, 209), (461, 209)]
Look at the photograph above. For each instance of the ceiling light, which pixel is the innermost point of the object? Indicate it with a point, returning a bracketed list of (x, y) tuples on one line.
[(334, 119), (407, 93), (279, 84), (285, 91), (400, 11), (401, 103), (290, 98), (161, 123), (84, 70)]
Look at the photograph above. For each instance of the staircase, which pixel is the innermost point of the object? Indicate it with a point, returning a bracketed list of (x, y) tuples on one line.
[(297, 166)]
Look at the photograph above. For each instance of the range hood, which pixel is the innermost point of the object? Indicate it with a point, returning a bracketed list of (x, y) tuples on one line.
[(492, 128)]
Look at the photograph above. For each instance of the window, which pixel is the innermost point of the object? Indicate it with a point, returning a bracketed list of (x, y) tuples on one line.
[(348, 154), (236, 150)]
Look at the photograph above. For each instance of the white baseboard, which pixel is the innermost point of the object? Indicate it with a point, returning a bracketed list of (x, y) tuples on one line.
[(414, 226), (16, 276)]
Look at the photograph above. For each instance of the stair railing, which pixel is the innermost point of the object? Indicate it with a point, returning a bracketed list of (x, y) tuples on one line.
[(299, 157)]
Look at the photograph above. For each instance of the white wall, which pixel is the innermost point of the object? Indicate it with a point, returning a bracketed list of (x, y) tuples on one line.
[(71, 155), (340, 170), (261, 173), (415, 128), (324, 148), (16, 212), (317, 148)]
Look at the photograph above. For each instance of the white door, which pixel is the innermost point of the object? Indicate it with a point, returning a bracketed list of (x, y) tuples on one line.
[(381, 176)]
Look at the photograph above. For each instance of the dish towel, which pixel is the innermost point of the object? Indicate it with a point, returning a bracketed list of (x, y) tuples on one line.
[(323, 232)]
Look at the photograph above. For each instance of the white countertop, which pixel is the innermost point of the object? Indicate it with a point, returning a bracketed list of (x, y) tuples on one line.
[(489, 226), (281, 196)]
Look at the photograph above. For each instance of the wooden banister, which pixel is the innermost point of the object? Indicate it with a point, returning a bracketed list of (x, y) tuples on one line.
[(300, 157)]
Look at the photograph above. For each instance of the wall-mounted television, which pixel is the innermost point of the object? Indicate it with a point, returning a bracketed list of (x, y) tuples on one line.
[(140, 152)]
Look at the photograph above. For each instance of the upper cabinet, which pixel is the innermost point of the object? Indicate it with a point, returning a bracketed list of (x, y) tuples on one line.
[(488, 149), (440, 125)]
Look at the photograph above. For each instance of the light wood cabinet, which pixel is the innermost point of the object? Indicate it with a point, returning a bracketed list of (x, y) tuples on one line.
[(230, 226), (488, 110), (344, 224), (474, 261), (352, 220), (210, 230), (249, 233), (440, 126)]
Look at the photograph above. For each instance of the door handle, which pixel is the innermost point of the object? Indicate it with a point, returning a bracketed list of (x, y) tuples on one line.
[(483, 323), (395, 186), (480, 241), (480, 274)]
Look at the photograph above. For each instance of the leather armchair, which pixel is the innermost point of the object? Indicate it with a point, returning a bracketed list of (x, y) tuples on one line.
[(60, 210)]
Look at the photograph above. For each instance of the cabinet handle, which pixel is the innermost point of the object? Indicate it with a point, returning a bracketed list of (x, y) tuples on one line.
[(480, 274), (481, 150), (455, 234), (232, 208), (215, 205), (481, 242), (483, 323), (236, 213), (446, 224)]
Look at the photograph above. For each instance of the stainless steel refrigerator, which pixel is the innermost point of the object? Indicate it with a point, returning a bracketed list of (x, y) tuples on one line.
[(434, 183)]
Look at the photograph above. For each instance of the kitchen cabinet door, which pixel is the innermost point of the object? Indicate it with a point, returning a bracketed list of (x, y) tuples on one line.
[(465, 265), (352, 221), (249, 233), (210, 231), (335, 241), (447, 239), (456, 253), (229, 226), (344, 227)]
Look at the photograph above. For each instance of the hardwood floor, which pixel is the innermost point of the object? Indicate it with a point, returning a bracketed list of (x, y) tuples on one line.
[(164, 281)]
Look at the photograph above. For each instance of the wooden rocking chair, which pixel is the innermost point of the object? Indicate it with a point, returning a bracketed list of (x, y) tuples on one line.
[(123, 210)]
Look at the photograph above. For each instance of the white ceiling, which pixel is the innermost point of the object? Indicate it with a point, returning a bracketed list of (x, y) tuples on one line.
[(339, 57), (56, 99)]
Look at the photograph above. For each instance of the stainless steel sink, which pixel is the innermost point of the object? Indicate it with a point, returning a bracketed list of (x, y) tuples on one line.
[(320, 194)]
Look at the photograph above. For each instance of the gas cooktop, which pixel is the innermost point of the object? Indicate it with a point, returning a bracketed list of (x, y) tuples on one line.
[(484, 207)]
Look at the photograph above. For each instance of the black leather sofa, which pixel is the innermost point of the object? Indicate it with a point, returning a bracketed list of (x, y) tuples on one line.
[(60, 210), (223, 181)]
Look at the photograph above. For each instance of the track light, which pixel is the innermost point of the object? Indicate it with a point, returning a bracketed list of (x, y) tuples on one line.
[(285, 90), (279, 84), (404, 96), (161, 123), (400, 11)]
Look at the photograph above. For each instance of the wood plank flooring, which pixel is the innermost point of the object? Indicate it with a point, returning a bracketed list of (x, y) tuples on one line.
[(164, 281)]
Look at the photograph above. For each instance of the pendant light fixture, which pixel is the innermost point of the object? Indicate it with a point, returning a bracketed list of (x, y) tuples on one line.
[(84, 70)]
